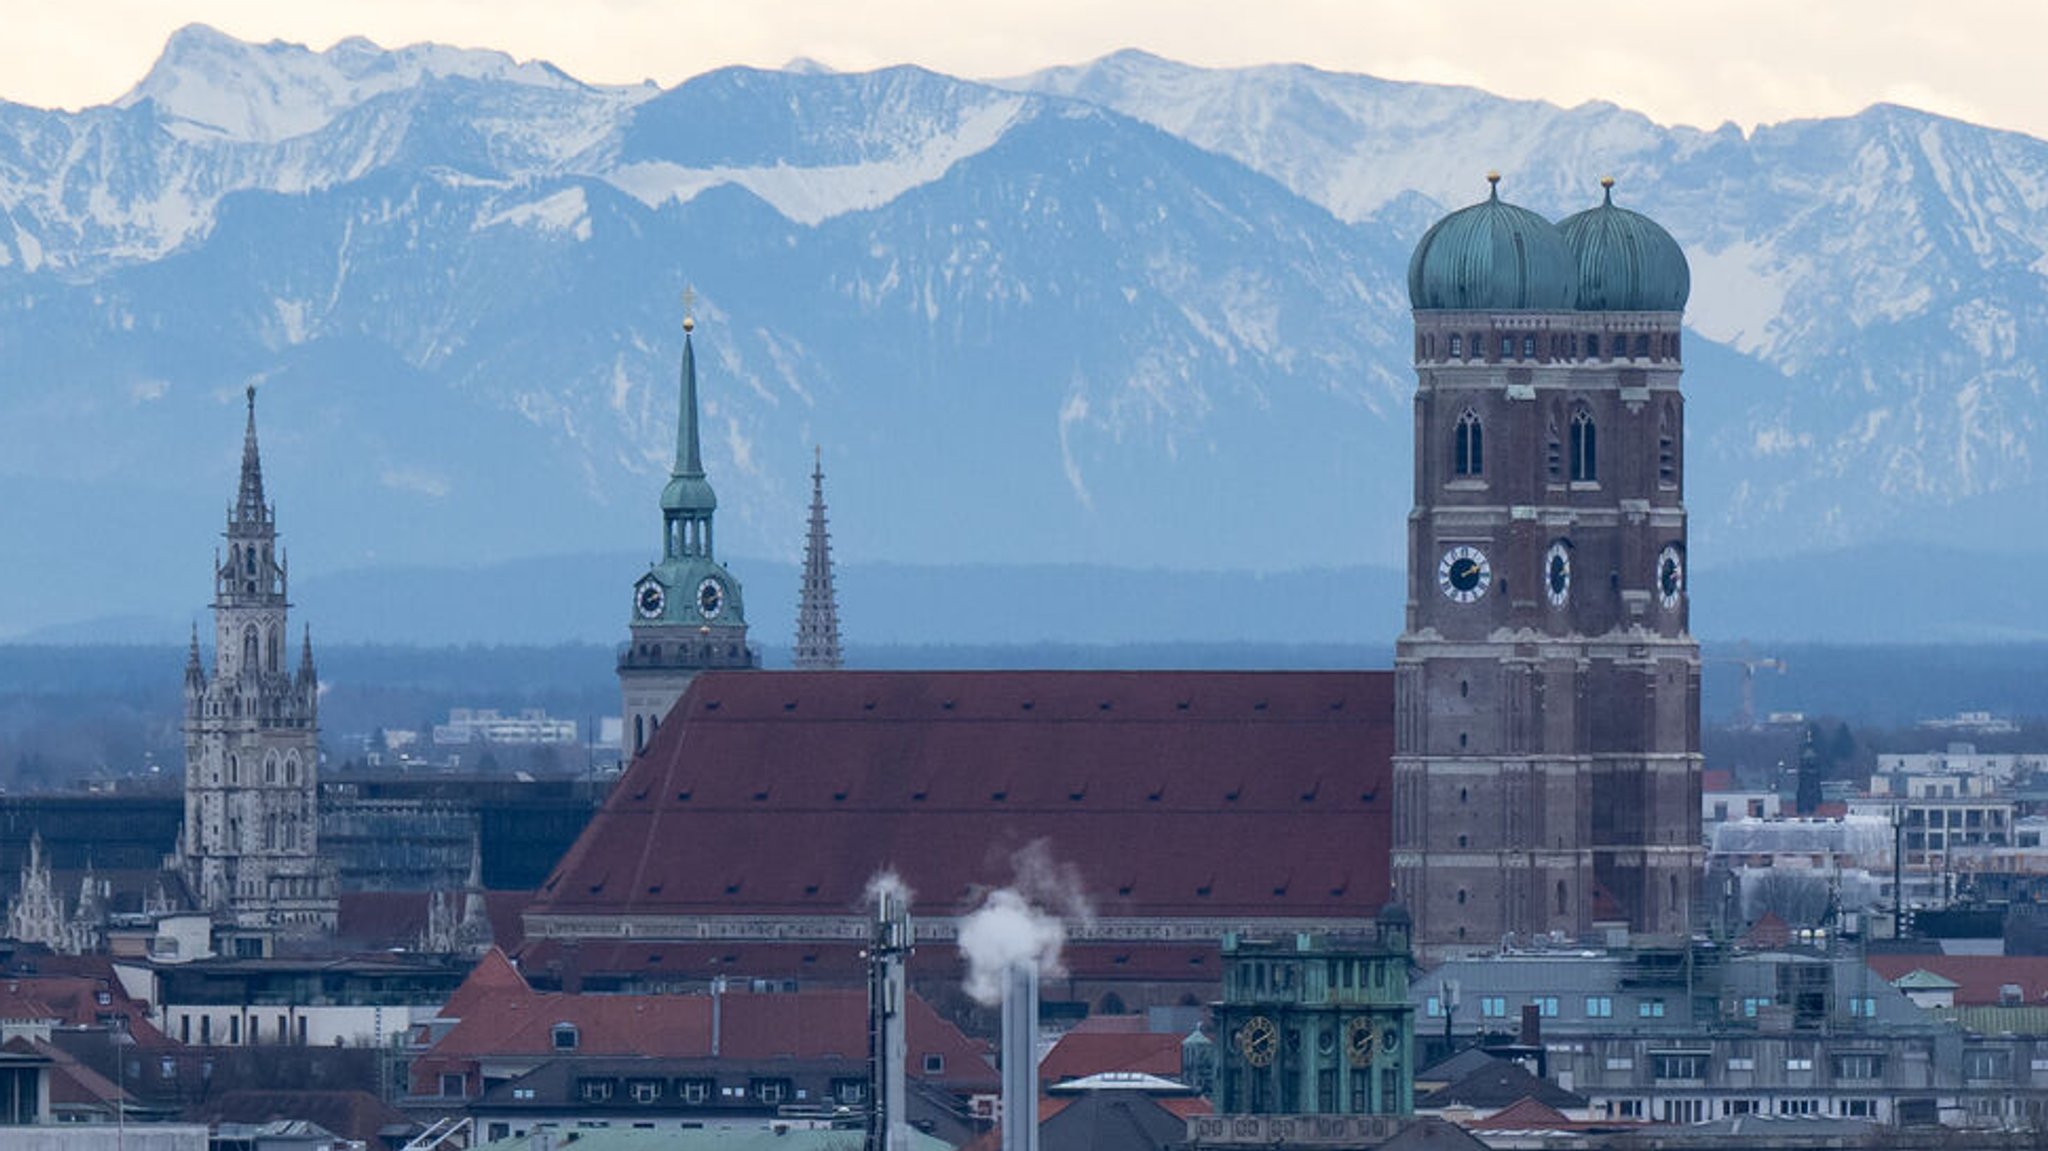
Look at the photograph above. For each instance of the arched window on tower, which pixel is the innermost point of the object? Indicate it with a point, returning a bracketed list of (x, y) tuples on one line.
[(275, 648), (1585, 451), (249, 561), (1468, 446), (249, 652), (1562, 898)]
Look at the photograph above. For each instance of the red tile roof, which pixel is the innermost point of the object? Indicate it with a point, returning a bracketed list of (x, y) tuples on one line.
[(500, 1015), (1232, 794), (1080, 1053), (1978, 978)]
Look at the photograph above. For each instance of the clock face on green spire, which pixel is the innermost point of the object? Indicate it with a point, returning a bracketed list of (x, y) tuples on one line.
[(649, 599), (710, 597)]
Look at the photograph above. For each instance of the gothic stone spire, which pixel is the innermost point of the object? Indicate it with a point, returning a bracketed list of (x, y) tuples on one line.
[(249, 505), (817, 617)]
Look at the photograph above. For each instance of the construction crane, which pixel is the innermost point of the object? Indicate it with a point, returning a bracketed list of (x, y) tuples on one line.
[(1750, 665)]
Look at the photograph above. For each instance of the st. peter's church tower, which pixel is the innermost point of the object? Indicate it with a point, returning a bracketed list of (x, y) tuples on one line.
[(687, 613)]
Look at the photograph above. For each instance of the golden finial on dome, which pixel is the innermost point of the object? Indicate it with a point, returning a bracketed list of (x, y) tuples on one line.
[(689, 302), (1493, 175), (1607, 181)]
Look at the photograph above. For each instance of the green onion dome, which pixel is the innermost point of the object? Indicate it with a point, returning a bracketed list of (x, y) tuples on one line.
[(1492, 256), (1626, 261)]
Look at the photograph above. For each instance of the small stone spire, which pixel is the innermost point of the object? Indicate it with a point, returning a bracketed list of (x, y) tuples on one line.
[(817, 615), (249, 505), (195, 673)]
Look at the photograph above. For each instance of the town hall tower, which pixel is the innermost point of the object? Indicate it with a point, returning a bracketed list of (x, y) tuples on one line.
[(1547, 766), (252, 738)]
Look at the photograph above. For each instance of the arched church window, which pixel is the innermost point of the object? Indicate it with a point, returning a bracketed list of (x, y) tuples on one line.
[(1468, 446), (249, 561), (1585, 452), (270, 767), (1562, 898), (249, 648), (1592, 346), (275, 650)]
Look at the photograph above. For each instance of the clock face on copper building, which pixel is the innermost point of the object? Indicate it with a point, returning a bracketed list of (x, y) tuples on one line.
[(649, 599)]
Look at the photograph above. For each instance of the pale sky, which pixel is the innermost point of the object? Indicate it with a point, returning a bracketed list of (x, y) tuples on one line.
[(1750, 61)]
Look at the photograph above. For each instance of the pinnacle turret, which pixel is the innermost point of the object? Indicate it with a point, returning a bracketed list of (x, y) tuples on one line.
[(817, 616)]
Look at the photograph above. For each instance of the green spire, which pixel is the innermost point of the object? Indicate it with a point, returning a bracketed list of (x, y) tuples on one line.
[(689, 456), (688, 491)]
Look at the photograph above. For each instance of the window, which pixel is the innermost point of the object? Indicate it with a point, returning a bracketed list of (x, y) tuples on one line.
[(1859, 1108), (565, 1037), (1457, 347), (1667, 451), (594, 1090), (1984, 1064), (695, 1090), (1433, 1006), (1528, 347), (1592, 347), (1628, 1108), (1754, 1004), (1468, 446), (1546, 1006), (850, 1091), (1863, 1006), (1650, 1009), (1585, 454), (644, 1090), (1799, 1063), (1683, 1110), (1857, 1066), (1507, 346), (770, 1091), (1738, 1107), (1493, 1006), (1599, 1007), (1741, 1063), (1798, 1107), (1681, 1065), (1620, 1063), (522, 1093), (451, 1086), (934, 1065)]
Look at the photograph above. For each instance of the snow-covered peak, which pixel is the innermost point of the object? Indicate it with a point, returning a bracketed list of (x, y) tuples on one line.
[(210, 84)]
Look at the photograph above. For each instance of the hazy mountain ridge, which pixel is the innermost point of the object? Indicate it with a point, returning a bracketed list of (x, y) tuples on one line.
[(1129, 314)]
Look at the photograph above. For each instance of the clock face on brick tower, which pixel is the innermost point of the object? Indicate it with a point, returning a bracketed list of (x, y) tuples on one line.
[(1557, 574), (1670, 576), (1463, 574)]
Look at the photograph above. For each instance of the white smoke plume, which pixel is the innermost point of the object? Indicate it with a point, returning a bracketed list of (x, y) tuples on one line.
[(884, 883), (1013, 925)]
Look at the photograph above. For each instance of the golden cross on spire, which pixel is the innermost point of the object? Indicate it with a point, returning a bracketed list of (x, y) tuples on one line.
[(689, 304)]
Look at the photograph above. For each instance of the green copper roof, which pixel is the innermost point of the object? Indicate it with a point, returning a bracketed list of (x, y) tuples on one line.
[(1626, 261), (1492, 256), (687, 488)]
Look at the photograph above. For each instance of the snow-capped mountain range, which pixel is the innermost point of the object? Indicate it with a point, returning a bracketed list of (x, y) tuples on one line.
[(1129, 313)]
